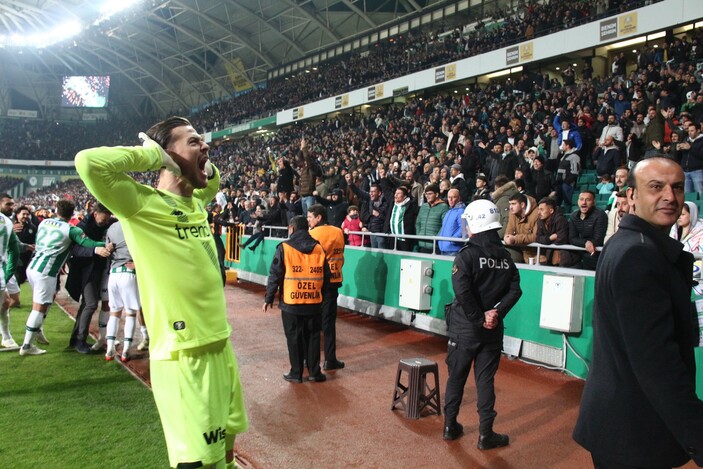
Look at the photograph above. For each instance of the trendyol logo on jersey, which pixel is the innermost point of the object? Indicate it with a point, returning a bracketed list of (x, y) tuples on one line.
[(187, 232), (484, 262)]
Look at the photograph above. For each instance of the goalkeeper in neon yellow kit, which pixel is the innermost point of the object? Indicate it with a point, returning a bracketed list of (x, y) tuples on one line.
[(194, 373)]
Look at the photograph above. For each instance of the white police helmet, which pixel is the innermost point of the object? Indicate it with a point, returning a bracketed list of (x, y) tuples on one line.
[(480, 216)]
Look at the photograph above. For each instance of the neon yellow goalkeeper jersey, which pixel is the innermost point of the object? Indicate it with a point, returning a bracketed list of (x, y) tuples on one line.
[(178, 274)]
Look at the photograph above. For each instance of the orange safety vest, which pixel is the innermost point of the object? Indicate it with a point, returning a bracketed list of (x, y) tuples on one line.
[(305, 274), (332, 240)]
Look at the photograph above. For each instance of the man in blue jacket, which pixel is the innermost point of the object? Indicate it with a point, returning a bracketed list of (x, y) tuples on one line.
[(451, 225), (568, 131)]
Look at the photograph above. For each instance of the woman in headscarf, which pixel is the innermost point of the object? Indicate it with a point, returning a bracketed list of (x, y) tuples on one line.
[(689, 228)]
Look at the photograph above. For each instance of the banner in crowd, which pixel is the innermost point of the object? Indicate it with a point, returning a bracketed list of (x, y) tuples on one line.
[(22, 113), (237, 75)]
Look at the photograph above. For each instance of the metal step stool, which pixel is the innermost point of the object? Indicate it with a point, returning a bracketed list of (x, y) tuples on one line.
[(417, 394)]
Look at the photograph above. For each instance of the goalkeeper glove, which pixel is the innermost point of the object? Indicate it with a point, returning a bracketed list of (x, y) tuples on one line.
[(166, 160)]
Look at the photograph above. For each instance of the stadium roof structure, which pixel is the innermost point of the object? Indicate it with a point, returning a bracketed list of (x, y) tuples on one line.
[(171, 55)]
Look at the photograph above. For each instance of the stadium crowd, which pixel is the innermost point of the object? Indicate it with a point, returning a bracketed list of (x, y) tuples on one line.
[(32, 139), (536, 146), (414, 51)]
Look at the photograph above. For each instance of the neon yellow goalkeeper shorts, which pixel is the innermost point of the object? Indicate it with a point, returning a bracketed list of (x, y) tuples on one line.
[(200, 402)]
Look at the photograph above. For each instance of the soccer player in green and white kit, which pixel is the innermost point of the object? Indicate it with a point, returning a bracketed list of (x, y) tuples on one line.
[(9, 251), (194, 373), (55, 236)]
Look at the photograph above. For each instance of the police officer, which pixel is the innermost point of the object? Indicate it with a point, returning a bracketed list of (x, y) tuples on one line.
[(332, 240), (486, 285), (300, 270)]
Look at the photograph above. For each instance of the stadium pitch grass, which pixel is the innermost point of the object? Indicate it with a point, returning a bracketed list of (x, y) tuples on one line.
[(66, 410)]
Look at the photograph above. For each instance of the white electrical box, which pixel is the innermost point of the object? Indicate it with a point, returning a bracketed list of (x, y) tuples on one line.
[(562, 303), (415, 284)]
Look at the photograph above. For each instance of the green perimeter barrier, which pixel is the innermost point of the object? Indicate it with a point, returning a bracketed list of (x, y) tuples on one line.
[(372, 277)]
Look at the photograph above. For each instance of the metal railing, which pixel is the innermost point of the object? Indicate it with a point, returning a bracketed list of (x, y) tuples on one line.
[(433, 239)]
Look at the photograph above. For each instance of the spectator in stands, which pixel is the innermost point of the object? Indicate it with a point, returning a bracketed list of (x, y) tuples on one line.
[(293, 205), (505, 189), (353, 223), (622, 207), (482, 191), (416, 189), (692, 159), (552, 228), (654, 132), (621, 176), (542, 180), (276, 215), (400, 219), (336, 207), (587, 227), (522, 226), (451, 224), (569, 131), (459, 182), (444, 187), (611, 129), (429, 218), (508, 162), (286, 177), (607, 157), (567, 173), (309, 171), (374, 208), (689, 228)]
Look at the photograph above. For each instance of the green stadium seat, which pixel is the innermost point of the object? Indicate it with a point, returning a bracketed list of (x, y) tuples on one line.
[(692, 196), (605, 197)]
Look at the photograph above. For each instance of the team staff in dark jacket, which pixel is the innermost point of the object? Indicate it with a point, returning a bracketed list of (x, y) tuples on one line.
[(299, 270), (85, 279), (486, 286), (639, 407)]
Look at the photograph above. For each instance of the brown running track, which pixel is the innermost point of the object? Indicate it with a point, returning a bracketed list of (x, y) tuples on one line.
[(346, 422)]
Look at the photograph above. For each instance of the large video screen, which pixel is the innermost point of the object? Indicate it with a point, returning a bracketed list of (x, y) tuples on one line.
[(83, 91)]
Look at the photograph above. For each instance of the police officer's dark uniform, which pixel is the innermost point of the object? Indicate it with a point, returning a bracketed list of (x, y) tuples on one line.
[(300, 271), (484, 277)]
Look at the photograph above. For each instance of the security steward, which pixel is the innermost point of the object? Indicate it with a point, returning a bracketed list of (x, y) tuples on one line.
[(299, 270), (332, 240), (486, 285)]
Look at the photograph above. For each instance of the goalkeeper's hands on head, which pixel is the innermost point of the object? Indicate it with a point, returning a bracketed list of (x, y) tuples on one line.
[(166, 159)]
